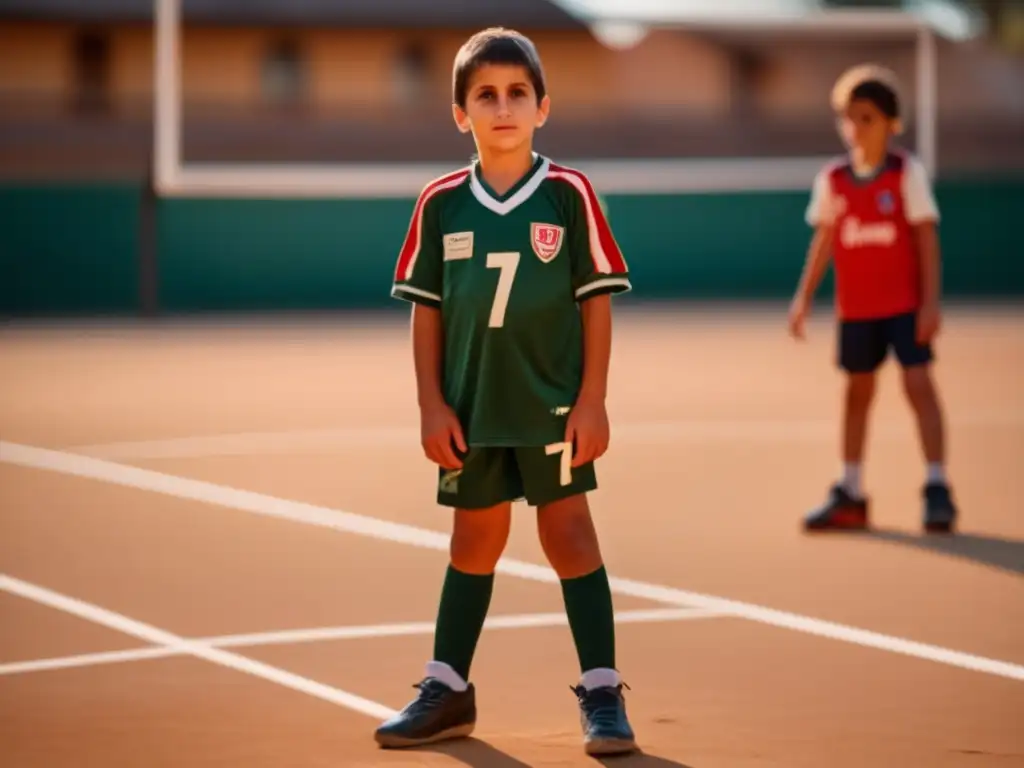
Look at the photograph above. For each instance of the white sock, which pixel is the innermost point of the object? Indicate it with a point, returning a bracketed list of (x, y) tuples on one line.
[(851, 480), (936, 472), (600, 678), (443, 672)]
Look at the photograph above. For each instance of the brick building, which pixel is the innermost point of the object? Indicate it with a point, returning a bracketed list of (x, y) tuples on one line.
[(370, 79)]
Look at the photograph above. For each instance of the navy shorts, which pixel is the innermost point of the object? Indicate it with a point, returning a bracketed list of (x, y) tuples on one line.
[(864, 344)]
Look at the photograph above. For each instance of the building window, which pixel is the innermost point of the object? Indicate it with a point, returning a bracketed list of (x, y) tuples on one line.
[(411, 76), (283, 77), (92, 71)]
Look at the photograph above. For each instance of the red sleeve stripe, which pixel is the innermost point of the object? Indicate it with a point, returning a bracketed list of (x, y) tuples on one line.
[(414, 235), (605, 252)]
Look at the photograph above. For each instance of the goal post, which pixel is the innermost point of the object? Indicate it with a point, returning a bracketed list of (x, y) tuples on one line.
[(173, 176), (927, 101), (167, 112)]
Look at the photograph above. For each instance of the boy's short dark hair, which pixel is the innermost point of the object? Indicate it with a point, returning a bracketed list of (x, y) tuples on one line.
[(873, 83), (495, 45), (879, 94)]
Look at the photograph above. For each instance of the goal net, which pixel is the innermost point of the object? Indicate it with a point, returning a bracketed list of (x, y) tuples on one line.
[(177, 174)]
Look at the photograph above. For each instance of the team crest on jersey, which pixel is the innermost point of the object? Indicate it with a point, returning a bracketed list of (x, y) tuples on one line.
[(886, 203), (546, 240)]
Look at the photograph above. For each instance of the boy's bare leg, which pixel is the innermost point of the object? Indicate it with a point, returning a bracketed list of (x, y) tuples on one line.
[(939, 509), (860, 393), (568, 537), (847, 507), (923, 398)]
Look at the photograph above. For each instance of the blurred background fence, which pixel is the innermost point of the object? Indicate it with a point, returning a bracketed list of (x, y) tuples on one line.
[(315, 83)]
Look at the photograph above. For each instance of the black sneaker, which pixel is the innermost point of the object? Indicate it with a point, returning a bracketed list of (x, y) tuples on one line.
[(606, 730), (939, 510), (436, 714), (841, 512)]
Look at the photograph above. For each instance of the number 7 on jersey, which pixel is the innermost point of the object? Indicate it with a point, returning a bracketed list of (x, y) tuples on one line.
[(508, 263)]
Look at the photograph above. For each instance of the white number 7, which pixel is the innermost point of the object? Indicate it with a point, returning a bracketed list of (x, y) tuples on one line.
[(507, 263), (565, 466)]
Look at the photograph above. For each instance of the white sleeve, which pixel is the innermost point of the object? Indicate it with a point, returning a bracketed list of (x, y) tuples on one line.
[(918, 199), (820, 209)]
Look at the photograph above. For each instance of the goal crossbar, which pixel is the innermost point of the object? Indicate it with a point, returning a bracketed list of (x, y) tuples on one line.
[(173, 177)]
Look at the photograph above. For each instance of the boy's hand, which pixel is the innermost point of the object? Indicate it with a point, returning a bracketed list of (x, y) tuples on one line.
[(797, 316), (928, 321), (439, 426), (587, 425)]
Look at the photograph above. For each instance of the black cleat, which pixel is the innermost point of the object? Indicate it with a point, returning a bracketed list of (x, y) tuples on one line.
[(438, 713), (939, 510), (606, 730), (842, 512)]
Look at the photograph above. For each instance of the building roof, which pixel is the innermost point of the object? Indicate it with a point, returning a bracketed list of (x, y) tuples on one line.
[(534, 14), (952, 19)]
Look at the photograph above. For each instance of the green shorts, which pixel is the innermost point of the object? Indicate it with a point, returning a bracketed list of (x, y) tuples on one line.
[(492, 475)]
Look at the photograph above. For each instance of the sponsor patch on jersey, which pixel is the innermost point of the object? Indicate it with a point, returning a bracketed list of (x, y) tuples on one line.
[(856, 234), (458, 245), (886, 203), (546, 240)]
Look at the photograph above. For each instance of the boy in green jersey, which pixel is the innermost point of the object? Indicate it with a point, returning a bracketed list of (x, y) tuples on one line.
[(510, 265)]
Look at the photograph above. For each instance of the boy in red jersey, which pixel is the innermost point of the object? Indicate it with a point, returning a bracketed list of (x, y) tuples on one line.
[(874, 215)]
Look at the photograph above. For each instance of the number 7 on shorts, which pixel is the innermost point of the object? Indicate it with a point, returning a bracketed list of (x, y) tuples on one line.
[(565, 464)]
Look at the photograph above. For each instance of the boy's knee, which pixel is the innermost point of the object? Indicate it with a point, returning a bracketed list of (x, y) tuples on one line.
[(479, 538), (917, 383), (860, 388), (568, 536)]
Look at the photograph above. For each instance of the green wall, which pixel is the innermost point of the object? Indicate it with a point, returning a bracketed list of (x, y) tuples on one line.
[(268, 254), (75, 248), (69, 248)]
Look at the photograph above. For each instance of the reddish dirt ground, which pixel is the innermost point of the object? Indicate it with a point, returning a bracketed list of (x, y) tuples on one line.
[(724, 433)]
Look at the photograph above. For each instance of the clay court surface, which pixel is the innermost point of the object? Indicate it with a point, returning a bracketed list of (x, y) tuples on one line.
[(219, 547)]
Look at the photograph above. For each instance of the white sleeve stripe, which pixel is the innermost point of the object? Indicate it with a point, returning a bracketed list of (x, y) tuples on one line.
[(606, 282), (596, 250), (410, 265), (415, 292)]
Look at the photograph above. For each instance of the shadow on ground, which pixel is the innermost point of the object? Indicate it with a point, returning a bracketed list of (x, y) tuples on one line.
[(993, 551), (475, 753), (640, 760)]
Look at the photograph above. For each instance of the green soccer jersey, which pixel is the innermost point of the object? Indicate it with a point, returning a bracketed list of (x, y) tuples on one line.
[(508, 273)]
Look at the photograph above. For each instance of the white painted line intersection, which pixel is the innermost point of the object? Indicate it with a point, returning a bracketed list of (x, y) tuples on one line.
[(371, 527), (180, 645), (322, 634)]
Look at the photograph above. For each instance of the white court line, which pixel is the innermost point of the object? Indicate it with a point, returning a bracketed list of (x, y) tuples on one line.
[(166, 639), (697, 430), (88, 660), (320, 634), (371, 527), (521, 621)]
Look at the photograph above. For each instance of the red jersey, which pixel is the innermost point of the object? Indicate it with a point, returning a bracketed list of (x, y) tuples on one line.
[(877, 272)]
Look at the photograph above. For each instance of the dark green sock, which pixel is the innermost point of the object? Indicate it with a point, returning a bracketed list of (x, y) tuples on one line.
[(588, 605), (465, 600)]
